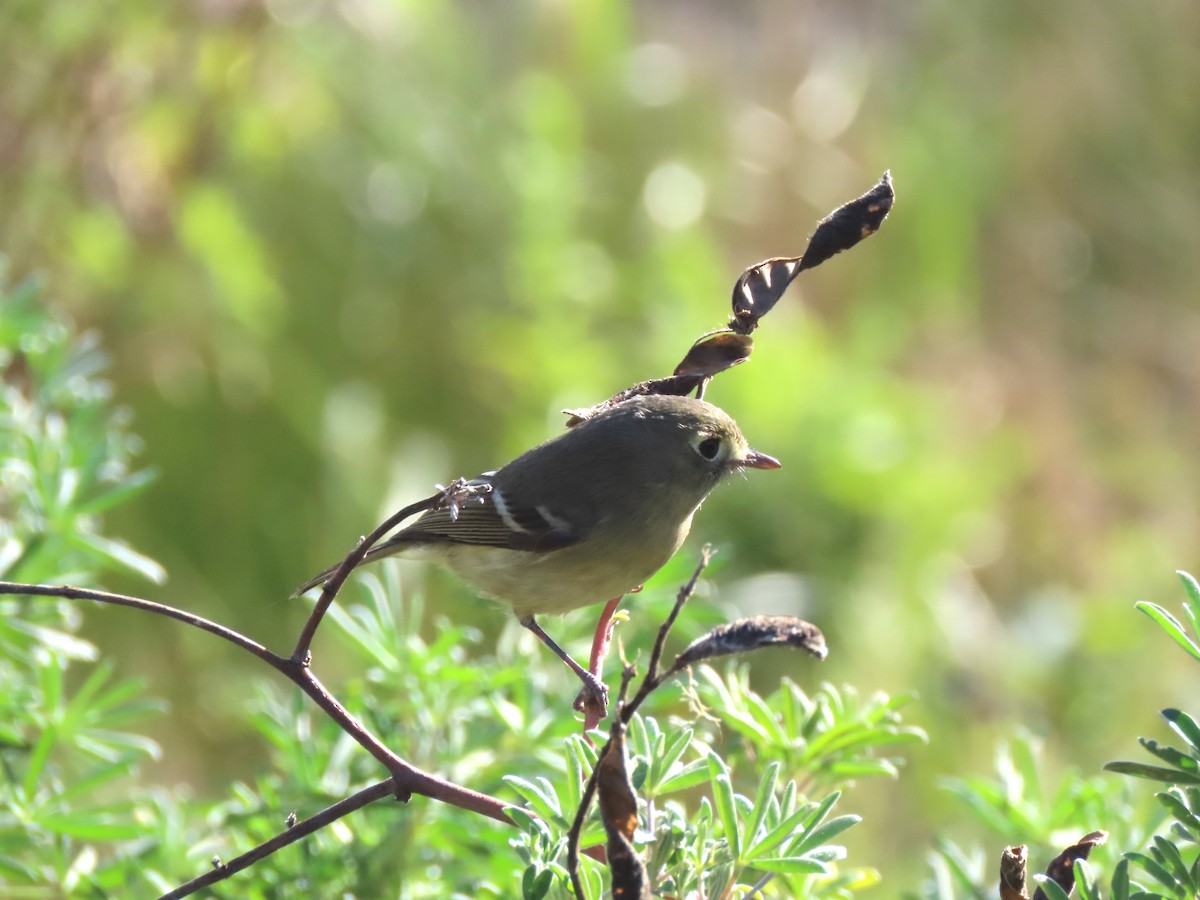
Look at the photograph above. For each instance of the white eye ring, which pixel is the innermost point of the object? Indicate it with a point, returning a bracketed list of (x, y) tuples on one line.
[(708, 448)]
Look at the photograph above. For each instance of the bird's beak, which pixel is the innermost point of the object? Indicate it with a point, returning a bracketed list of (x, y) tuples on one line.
[(755, 460)]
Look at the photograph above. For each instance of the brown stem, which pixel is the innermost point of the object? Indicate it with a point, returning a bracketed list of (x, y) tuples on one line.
[(652, 679), (77, 593), (406, 779), (303, 648), (221, 871)]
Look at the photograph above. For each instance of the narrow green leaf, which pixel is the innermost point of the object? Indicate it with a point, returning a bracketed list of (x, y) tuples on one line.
[(1084, 882), (863, 768), (815, 837), (1051, 888), (694, 773), (1190, 585), (805, 817), (1120, 881), (545, 805), (38, 757), (674, 746), (762, 801), (638, 740), (1171, 755), (789, 865), (527, 821), (718, 878), (767, 720), (1154, 773), (1155, 870), (1183, 725), (92, 826), (723, 800), (573, 792), (117, 494), (1170, 625), (121, 554), (78, 788), (1170, 857), (1179, 809)]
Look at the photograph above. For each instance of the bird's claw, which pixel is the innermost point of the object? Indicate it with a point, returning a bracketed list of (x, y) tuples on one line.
[(594, 694)]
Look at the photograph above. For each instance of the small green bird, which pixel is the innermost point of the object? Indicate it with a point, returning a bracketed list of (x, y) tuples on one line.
[(586, 516)]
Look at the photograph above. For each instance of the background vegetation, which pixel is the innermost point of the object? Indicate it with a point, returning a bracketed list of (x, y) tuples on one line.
[(339, 252)]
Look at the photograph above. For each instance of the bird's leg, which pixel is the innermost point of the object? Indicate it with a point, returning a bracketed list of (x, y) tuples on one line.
[(592, 685), (593, 713)]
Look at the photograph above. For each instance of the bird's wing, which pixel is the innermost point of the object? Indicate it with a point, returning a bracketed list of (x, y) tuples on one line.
[(491, 520)]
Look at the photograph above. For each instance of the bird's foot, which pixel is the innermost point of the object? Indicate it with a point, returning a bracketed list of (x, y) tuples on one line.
[(592, 696)]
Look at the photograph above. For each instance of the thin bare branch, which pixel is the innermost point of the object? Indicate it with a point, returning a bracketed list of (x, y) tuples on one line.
[(301, 652), (297, 831), (69, 592), (406, 779), (652, 679)]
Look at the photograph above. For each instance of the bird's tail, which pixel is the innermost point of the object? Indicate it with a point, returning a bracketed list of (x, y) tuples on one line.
[(387, 548)]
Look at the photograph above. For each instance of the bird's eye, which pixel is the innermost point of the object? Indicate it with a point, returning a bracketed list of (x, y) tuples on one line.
[(709, 447)]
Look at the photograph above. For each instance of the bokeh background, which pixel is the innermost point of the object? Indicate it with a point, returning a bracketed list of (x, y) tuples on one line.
[(340, 251)]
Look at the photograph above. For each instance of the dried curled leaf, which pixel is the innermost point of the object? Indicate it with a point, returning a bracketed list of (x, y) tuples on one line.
[(715, 352), (672, 385), (744, 635), (1062, 868), (759, 288), (618, 812), (1013, 872), (712, 353), (618, 804), (849, 224)]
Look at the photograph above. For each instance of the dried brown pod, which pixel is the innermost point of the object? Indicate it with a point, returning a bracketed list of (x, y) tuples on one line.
[(1062, 868), (674, 385), (1013, 872), (618, 812), (754, 633), (849, 224), (715, 352), (759, 288)]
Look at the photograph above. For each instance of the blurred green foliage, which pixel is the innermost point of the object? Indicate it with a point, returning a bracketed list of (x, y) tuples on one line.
[(341, 251)]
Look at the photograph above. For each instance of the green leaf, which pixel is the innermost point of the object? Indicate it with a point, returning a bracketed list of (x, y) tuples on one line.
[(541, 797), (1171, 626), (1179, 809), (1171, 755), (718, 774), (125, 489), (535, 883), (1192, 605), (1153, 773), (524, 819), (1183, 725), (1120, 881), (573, 790), (1051, 888), (790, 865), (762, 800), (805, 814), (78, 788), (674, 746), (92, 826), (1155, 870), (818, 836), (122, 554), (1168, 854), (1083, 881), (694, 773)]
